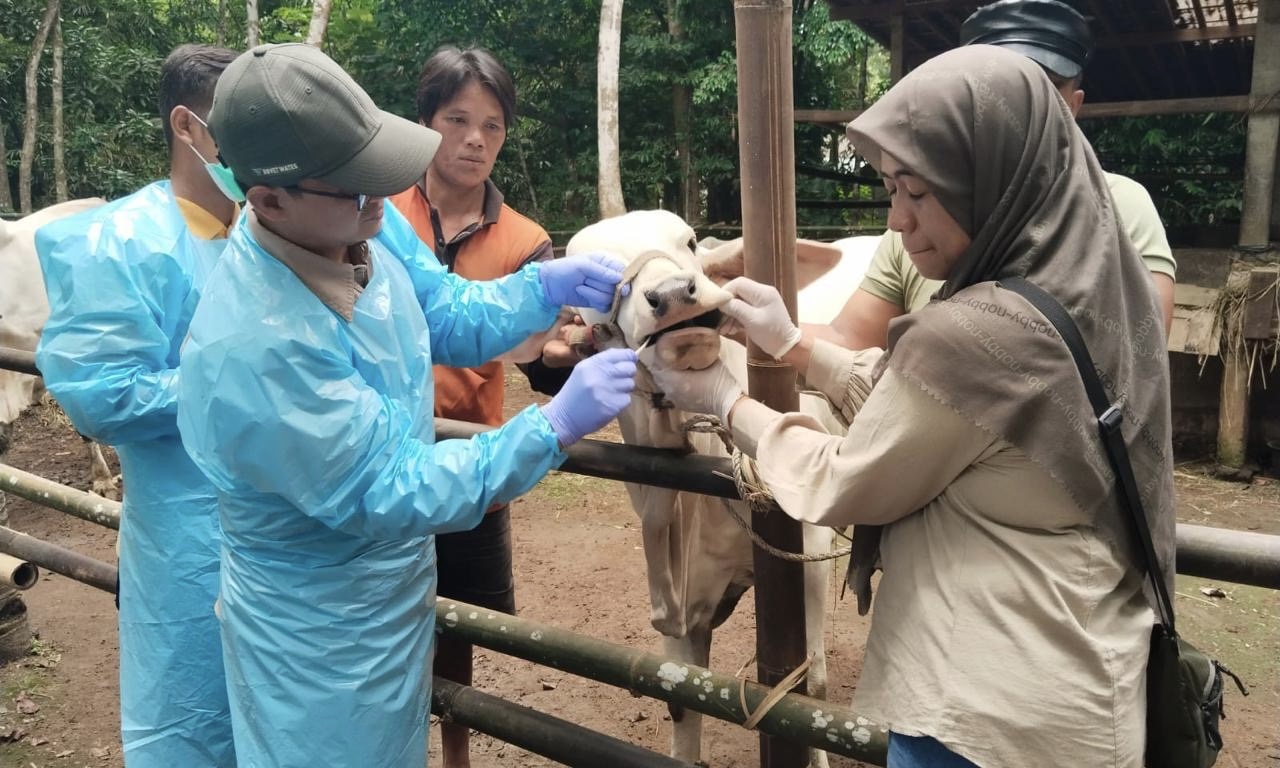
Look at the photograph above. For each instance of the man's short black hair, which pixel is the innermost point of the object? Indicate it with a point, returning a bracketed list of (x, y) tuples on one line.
[(450, 68), (187, 78)]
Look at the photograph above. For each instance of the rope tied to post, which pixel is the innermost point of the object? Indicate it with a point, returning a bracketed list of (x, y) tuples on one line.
[(751, 489), (775, 694)]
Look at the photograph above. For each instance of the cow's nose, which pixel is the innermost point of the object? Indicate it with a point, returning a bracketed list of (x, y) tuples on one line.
[(677, 289)]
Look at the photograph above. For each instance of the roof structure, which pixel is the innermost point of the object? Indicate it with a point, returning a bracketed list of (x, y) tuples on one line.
[(1147, 49)]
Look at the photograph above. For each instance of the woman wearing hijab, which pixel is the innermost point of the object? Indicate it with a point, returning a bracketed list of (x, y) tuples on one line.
[(1012, 627)]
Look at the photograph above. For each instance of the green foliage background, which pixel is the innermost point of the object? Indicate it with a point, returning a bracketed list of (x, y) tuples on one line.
[(548, 168)]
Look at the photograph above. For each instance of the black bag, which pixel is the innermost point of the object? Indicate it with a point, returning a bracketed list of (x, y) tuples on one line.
[(1184, 686)]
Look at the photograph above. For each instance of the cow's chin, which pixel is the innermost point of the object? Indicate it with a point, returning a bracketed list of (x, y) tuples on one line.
[(687, 349)]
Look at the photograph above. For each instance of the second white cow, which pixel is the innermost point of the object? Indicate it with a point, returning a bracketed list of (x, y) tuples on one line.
[(699, 561), (24, 308)]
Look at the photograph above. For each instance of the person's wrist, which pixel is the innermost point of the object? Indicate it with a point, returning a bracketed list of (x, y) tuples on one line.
[(728, 403), (789, 341)]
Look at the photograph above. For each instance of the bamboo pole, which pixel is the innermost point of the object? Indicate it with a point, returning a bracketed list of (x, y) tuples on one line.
[(766, 147), (800, 720), (85, 506), (822, 724)]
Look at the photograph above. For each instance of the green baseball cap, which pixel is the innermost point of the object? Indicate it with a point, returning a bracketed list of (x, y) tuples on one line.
[(284, 113)]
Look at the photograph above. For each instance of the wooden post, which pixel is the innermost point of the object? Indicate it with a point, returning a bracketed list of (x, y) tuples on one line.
[(897, 52), (1260, 160), (1264, 129), (766, 147)]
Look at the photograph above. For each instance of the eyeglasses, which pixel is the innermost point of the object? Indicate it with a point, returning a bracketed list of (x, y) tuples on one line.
[(361, 198)]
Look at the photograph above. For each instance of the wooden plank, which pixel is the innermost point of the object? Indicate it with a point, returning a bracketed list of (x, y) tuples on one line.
[(1208, 267), (1098, 110), (1185, 295), (897, 48), (1261, 318), (1188, 35), (1194, 331), (855, 11)]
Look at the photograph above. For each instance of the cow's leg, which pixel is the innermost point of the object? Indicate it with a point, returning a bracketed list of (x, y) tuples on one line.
[(104, 483), (686, 725), (817, 577)]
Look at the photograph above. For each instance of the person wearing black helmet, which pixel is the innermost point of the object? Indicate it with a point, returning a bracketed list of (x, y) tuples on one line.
[(1055, 36)]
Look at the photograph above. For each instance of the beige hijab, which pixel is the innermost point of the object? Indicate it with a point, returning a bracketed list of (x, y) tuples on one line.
[(989, 134)]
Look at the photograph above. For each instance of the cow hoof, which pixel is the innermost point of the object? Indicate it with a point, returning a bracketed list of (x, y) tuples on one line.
[(107, 489)]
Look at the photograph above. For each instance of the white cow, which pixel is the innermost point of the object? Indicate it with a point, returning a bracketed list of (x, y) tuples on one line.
[(24, 308), (699, 561)]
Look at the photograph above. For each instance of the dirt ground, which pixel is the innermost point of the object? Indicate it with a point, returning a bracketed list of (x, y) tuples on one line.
[(578, 566)]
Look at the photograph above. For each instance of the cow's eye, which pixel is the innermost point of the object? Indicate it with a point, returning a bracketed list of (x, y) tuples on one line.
[(693, 244)]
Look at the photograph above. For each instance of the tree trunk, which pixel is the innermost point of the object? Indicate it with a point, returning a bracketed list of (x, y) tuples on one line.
[(59, 137), (609, 186), (319, 22), (690, 203), (222, 22), (251, 23), (865, 51), (32, 118), (6, 192), (535, 212)]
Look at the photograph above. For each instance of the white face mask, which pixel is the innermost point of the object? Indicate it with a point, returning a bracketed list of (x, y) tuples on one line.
[(223, 177)]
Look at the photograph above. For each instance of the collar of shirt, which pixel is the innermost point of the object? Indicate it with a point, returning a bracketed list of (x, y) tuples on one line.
[(336, 284), (201, 223), (447, 252)]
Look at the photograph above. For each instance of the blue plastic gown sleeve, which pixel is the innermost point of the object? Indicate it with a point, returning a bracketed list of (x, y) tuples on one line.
[(104, 353), (471, 321), (299, 422)]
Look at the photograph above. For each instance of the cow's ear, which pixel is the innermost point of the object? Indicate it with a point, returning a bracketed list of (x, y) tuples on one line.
[(721, 260), (813, 260)]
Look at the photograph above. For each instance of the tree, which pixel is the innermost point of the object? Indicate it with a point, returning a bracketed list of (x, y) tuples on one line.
[(6, 194), (690, 203), (222, 22), (31, 118), (319, 22), (251, 23), (609, 187), (59, 142)]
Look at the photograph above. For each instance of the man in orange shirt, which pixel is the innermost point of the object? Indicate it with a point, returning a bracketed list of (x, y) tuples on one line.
[(455, 208)]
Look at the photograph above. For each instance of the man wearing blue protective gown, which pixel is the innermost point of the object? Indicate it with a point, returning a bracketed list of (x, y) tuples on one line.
[(307, 400), (123, 281)]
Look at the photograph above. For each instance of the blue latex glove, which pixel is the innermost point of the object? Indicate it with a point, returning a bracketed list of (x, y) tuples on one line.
[(582, 281), (597, 391)]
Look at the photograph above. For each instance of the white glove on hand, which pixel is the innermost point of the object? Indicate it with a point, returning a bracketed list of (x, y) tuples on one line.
[(711, 390), (758, 308)]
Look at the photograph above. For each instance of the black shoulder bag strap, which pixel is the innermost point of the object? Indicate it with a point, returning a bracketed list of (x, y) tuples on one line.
[(1109, 421)]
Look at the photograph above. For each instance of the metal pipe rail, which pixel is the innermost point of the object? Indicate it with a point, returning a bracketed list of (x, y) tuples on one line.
[(560, 740), (1239, 557), (18, 360), (710, 475), (58, 559), (39, 490)]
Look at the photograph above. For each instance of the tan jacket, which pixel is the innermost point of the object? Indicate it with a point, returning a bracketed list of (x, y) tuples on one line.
[(1003, 625)]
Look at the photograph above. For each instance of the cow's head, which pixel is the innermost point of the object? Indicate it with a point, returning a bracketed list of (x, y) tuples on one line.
[(672, 311)]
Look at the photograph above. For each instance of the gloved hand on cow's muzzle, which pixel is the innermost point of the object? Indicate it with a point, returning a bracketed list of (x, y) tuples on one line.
[(596, 392), (711, 390), (758, 308), (581, 281)]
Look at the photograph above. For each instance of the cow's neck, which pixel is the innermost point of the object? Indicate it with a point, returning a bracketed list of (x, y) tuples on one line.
[(644, 423)]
